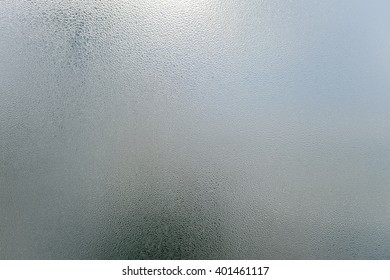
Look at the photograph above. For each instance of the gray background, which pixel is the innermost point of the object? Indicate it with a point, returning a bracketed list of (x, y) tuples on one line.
[(194, 129)]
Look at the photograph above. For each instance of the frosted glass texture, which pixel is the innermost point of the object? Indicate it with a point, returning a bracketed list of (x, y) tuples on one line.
[(179, 129)]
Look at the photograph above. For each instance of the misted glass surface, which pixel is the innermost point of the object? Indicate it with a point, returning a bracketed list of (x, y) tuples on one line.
[(177, 129)]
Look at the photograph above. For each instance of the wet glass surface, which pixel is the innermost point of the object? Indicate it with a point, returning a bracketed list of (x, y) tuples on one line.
[(194, 129)]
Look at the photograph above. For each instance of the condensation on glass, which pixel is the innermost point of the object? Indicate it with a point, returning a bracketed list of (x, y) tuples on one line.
[(194, 129)]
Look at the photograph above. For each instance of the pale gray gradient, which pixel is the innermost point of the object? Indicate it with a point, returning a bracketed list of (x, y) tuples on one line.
[(213, 129)]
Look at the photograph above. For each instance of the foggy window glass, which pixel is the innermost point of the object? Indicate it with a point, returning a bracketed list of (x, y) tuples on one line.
[(178, 129)]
